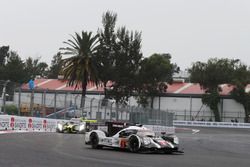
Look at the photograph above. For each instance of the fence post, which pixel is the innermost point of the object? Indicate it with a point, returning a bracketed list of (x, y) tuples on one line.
[(65, 104), (83, 101), (136, 115), (116, 113), (140, 115), (75, 100), (91, 105), (159, 103), (111, 107), (31, 102), (65, 100), (44, 103), (105, 112), (131, 118), (121, 112), (191, 103), (222, 113), (19, 101), (185, 114), (127, 113), (98, 110), (55, 104)]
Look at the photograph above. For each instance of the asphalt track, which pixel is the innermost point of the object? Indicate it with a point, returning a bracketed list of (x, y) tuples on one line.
[(209, 148)]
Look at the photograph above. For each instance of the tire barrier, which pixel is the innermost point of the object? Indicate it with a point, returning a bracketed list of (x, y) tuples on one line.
[(18, 123)]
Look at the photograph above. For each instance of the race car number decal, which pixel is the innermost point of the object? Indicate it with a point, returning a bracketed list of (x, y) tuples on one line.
[(123, 142)]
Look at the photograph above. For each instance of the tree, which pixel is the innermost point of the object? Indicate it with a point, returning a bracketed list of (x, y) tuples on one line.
[(56, 66), (80, 68), (156, 71), (210, 75), (240, 79), (106, 50), (14, 74), (15, 66), (126, 64), (35, 68), (4, 54)]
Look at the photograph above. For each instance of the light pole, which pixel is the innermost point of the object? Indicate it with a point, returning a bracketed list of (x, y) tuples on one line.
[(4, 95)]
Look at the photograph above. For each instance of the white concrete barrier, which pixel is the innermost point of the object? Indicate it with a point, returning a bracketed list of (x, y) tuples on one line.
[(17, 123), (159, 129), (211, 124), (9, 122)]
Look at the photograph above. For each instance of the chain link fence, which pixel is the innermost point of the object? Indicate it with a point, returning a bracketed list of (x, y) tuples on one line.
[(42, 103), (61, 105)]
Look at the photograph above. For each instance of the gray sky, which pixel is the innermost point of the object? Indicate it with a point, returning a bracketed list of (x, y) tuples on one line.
[(190, 30)]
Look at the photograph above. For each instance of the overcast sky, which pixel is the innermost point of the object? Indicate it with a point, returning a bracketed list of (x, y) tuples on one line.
[(190, 30)]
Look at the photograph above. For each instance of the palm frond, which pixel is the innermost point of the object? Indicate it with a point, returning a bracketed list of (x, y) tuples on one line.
[(80, 67)]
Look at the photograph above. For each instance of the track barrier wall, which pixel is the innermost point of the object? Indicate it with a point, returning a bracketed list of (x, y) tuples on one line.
[(211, 124), (29, 124), (16, 123), (159, 129)]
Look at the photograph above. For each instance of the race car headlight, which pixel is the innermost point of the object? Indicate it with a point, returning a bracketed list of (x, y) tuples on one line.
[(60, 127), (146, 141), (82, 127), (176, 140)]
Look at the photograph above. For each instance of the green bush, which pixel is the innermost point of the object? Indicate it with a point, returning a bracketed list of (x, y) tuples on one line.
[(11, 109)]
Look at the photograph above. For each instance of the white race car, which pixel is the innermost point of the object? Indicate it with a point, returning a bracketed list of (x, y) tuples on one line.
[(134, 139)]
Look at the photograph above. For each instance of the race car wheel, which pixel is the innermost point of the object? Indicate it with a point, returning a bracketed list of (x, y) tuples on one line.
[(134, 144), (94, 141), (59, 131), (73, 129)]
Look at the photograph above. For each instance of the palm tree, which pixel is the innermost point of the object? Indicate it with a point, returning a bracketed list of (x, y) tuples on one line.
[(80, 68)]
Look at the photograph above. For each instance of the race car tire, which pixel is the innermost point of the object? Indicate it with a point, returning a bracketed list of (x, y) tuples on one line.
[(134, 143), (58, 131), (73, 129), (94, 140)]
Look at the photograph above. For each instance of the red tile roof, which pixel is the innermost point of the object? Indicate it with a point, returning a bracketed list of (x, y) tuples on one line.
[(176, 88), (193, 89)]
